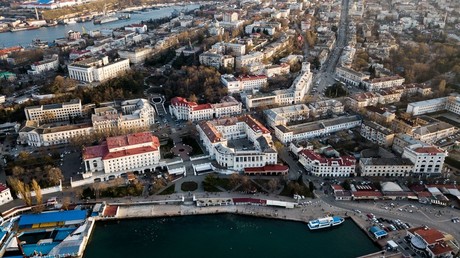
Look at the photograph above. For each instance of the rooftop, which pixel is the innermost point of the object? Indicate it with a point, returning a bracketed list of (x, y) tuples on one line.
[(130, 139), (49, 217)]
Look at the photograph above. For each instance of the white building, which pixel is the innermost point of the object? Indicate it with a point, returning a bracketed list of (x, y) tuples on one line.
[(37, 135), (129, 114), (45, 65), (451, 103), (322, 166), (5, 194), (428, 160), (217, 134), (228, 48), (376, 133), (249, 59), (139, 28), (54, 112), (309, 130), (293, 95), (136, 55), (243, 83), (97, 70), (377, 84), (214, 59), (399, 167), (349, 76), (185, 110), (284, 115), (274, 70), (326, 107), (121, 154)]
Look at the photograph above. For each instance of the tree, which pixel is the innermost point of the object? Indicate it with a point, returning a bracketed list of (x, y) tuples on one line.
[(246, 183), (54, 175), (273, 184), (192, 98), (21, 189), (38, 196), (18, 171), (234, 180), (346, 184), (66, 203), (442, 87)]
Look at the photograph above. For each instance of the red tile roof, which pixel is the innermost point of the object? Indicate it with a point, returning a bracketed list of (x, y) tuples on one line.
[(249, 200), (430, 235), (342, 161), (251, 77), (255, 125), (367, 194), (110, 211), (440, 248), (128, 152), (92, 152), (3, 187), (337, 187), (130, 139), (267, 168), (5, 51), (429, 149)]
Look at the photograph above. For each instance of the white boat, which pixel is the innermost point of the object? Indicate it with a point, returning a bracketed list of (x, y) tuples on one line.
[(325, 222)]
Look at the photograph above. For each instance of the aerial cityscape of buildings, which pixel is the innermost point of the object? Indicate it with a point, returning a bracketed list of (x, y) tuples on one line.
[(342, 100)]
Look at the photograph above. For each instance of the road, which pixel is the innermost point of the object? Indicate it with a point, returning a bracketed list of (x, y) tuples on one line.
[(325, 76)]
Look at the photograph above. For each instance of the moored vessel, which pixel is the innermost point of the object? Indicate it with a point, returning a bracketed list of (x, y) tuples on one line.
[(325, 222)]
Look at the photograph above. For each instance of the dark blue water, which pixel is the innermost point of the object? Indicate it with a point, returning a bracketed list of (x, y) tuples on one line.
[(24, 38), (224, 236)]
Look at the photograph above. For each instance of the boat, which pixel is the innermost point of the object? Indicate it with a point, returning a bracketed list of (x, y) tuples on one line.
[(105, 19), (325, 222), (24, 28)]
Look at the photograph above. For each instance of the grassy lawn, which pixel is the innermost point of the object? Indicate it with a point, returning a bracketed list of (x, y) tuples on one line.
[(189, 186), (196, 149), (169, 190)]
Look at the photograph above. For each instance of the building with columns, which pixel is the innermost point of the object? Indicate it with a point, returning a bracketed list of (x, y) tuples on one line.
[(188, 110), (218, 135), (323, 165), (122, 154), (97, 69), (428, 160)]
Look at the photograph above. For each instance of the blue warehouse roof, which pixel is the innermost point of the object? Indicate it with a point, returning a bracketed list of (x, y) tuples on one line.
[(49, 217)]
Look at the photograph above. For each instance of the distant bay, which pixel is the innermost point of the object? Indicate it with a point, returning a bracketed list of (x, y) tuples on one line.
[(224, 236), (24, 38)]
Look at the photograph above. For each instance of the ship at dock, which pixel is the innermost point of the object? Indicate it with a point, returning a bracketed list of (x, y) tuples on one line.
[(325, 222)]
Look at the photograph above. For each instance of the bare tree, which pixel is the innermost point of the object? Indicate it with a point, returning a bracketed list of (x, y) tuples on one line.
[(234, 180), (246, 183), (66, 203), (18, 171), (54, 175), (21, 189), (273, 184), (38, 196)]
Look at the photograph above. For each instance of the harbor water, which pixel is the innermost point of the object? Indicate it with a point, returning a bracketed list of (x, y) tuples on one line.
[(24, 38), (224, 236)]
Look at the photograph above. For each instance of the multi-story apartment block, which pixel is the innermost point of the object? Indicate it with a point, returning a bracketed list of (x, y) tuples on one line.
[(268, 27), (388, 96), (185, 110), (97, 69), (451, 103), (228, 48), (309, 130), (402, 140), (325, 107), (135, 55), (54, 112), (323, 166), (361, 100), (214, 59), (243, 83), (433, 131), (121, 154), (50, 64), (5, 194), (284, 115), (380, 115), (399, 167), (428, 160), (293, 95), (349, 76), (216, 135), (249, 59), (377, 133), (36, 135), (125, 115), (274, 70), (377, 84)]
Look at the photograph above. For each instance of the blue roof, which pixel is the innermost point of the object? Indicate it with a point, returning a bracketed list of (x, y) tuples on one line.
[(378, 231), (44, 249), (48, 217)]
